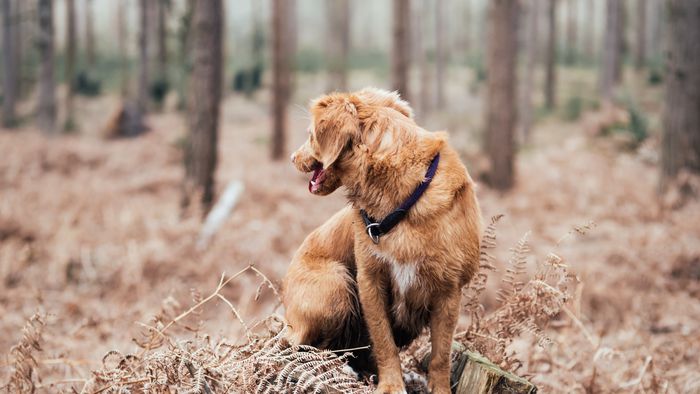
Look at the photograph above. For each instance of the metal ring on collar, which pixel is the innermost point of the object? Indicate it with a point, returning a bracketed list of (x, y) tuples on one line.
[(374, 238)]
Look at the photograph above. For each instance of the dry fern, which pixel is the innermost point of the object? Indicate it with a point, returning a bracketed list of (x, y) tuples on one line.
[(517, 266), (23, 362), (472, 293), (264, 363), (524, 307)]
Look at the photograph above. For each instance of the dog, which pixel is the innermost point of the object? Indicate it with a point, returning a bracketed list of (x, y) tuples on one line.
[(375, 274)]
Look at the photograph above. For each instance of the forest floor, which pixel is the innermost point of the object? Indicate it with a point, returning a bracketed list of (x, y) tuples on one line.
[(92, 236)]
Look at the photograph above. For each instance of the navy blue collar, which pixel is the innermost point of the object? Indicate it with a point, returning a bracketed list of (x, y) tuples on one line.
[(377, 229)]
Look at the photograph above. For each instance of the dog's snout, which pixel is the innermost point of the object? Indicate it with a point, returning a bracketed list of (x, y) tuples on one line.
[(302, 160)]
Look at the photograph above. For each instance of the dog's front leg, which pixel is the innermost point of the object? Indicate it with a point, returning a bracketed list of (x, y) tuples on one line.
[(371, 283), (443, 320)]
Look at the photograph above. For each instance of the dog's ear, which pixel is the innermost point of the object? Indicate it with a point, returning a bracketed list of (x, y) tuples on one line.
[(337, 127), (385, 98)]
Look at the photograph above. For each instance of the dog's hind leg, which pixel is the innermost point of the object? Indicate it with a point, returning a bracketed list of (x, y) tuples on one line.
[(323, 310), (319, 299)]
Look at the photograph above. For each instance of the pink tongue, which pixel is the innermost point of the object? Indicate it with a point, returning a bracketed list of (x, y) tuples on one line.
[(316, 180)]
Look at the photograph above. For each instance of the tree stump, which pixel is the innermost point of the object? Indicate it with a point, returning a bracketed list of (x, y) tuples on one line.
[(473, 373), (126, 121)]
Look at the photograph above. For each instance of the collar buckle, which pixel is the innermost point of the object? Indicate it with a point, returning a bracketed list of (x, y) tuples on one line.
[(374, 237), (377, 229)]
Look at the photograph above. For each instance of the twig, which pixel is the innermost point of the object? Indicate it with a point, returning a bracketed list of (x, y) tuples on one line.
[(268, 281), (62, 381), (583, 230), (464, 334), (350, 349), (155, 330), (220, 286), (580, 325), (238, 315), (51, 361), (638, 380)]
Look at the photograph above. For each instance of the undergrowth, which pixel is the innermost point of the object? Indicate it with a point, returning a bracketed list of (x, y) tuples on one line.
[(524, 306), (265, 363), (177, 356)]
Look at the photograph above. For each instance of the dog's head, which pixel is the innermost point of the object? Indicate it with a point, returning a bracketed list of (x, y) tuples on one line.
[(337, 126)]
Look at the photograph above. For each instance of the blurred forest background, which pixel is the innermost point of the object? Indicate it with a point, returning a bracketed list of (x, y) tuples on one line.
[(124, 122)]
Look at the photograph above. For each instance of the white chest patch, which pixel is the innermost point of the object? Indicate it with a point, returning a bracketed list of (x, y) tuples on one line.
[(403, 274)]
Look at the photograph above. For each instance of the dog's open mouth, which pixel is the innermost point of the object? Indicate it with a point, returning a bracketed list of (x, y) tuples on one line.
[(317, 179)]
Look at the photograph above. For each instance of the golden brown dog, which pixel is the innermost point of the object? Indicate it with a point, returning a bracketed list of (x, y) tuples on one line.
[(412, 278)]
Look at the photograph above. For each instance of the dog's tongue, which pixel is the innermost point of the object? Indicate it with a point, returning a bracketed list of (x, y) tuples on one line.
[(317, 179)]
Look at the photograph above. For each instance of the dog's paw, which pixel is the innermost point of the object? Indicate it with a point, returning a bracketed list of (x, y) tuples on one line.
[(390, 388), (415, 383), (439, 386), (348, 370)]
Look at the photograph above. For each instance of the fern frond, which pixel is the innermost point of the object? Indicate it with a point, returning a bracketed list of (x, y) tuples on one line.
[(476, 287), (22, 355), (517, 266)]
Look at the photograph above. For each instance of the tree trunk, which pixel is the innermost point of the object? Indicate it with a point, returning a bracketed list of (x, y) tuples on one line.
[(571, 30), (159, 87), (257, 50), (89, 35), (681, 119), (144, 78), (162, 49), (501, 112), (27, 62), (621, 41), (467, 30), (18, 20), (46, 111), (656, 20), (530, 17), (422, 53), (9, 75), (400, 56), (71, 43), (121, 42), (203, 105), (135, 109), (440, 55), (338, 43), (640, 52), (550, 83), (291, 44), (612, 56), (479, 43), (591, 33), (280, 77)]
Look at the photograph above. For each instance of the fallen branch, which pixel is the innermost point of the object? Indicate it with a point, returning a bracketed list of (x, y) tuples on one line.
[(219, 213)]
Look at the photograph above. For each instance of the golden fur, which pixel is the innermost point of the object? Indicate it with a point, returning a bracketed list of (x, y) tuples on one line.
[(368, 142)]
